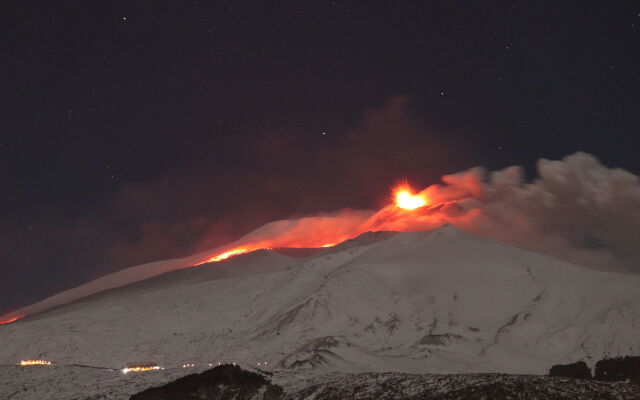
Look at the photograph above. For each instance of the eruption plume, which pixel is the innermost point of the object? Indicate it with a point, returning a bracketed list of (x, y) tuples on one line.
[(577, 210)]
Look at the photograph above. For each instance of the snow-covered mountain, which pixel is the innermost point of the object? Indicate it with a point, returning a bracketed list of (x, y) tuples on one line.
[(433, 301)]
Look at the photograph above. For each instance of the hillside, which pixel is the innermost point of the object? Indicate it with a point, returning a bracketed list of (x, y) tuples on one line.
[(441, 301)]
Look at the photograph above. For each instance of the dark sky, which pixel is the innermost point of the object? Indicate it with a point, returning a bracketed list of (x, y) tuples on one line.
[(137, 131)]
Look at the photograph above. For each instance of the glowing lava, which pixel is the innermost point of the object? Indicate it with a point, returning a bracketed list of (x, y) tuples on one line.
[(25, 363), (405, 198), (225, 255), (327, 232), (10, 320)]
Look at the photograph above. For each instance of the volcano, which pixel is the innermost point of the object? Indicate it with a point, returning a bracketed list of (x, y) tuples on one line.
[(440, 301)]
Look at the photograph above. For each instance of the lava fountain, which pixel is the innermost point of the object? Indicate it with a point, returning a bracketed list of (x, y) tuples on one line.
[(406, 199)]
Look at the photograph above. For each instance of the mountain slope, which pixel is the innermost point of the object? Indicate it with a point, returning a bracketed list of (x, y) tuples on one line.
[(433, 301)]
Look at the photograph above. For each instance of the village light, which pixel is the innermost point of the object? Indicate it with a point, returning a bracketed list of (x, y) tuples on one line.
[(24, 363), (140, 367)]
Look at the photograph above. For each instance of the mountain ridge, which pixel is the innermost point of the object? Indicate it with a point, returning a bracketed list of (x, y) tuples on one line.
[(440, 301)]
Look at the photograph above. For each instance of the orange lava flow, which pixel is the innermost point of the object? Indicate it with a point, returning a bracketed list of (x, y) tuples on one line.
[(25, 363), (10, 320), (225, 255), (320, 232)]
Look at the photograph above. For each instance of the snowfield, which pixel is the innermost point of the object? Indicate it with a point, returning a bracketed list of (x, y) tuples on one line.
[(441, 301), (76, 383)]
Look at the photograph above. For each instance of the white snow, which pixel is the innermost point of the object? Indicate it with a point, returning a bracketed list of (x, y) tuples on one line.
[(434, 301)]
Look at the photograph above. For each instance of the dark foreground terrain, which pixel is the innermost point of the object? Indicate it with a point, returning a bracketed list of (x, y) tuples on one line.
[(231, 382), (223, 382)]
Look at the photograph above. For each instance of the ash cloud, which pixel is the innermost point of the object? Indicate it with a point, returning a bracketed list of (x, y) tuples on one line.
[(576, 209)]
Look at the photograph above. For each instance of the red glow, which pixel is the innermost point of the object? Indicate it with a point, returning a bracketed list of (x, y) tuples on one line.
[(10, 320), (225, 255), (409, 211)]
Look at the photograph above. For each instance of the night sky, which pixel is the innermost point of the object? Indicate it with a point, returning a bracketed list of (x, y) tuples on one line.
[(138, 131)]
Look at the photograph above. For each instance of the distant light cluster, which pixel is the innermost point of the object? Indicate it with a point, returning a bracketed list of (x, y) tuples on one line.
[(126, 370), (139, 367), (24, 363)]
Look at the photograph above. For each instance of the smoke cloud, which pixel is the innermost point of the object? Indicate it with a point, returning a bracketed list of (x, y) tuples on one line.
[(577, 210)]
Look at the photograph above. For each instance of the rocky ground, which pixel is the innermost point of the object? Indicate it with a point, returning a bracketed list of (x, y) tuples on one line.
[(83, 383), (460, 386), (229, 382)]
